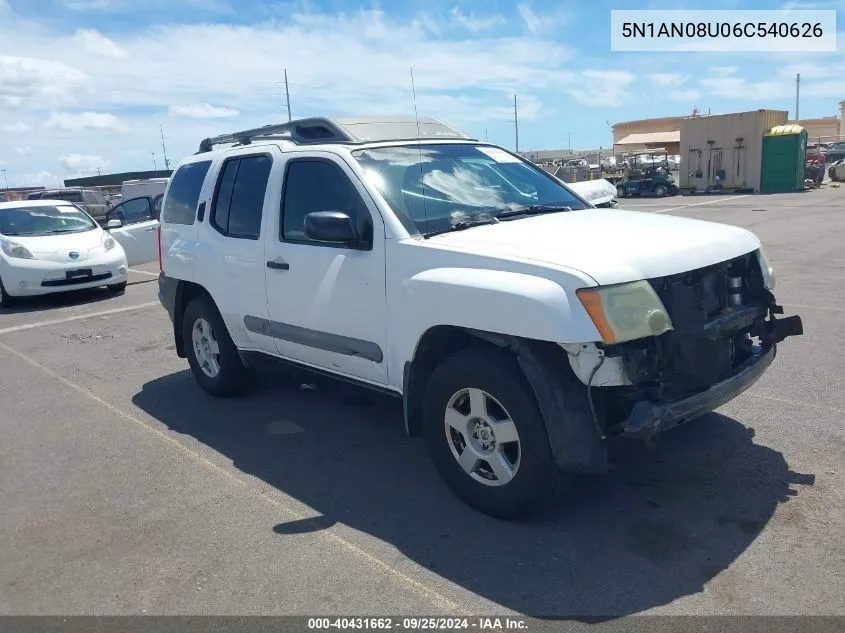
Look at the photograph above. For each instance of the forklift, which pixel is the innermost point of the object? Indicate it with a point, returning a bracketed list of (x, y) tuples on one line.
[(647, 173)]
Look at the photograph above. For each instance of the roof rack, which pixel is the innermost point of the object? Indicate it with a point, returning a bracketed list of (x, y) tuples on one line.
[(346, 131)]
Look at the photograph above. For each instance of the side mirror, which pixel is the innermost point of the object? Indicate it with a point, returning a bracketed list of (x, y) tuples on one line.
[(114, 224), (335, 227)]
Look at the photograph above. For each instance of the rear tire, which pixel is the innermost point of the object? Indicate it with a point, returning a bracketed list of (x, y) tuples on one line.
[(212, 354), (458, 429)]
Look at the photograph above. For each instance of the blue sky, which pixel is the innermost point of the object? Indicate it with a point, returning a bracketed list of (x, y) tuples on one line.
[(85, 84)]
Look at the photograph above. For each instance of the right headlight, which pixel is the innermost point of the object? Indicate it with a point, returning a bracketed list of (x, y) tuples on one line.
[(13, 249), (625, 312)]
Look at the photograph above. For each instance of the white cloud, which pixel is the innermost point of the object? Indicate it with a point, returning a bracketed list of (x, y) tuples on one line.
[(475, 24), (684, 95), (203, 111), (16, 128), (668, 79), (81, 164), (602, 87), (23, 151), (532, 21), (83, 121), (42, 178), (29, 81), (97, 43), (89, 5)]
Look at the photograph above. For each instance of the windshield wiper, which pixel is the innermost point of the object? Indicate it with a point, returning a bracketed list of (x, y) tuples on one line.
[(65, 231), (534, 209), (460, 226)]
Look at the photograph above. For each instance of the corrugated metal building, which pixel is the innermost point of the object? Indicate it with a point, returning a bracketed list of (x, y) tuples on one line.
[(725, 146)]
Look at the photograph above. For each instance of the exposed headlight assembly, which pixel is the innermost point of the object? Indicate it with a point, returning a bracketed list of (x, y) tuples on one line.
[(625, 312), (767, 271), (13, 249)]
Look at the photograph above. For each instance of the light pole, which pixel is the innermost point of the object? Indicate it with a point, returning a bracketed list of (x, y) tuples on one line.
[(155, 165)]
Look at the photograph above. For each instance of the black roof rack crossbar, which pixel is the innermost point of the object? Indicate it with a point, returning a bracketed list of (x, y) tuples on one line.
[(321, 130)]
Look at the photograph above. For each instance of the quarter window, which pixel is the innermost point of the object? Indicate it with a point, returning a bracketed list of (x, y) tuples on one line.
[(317, 185), (239, 201), (180, 207)]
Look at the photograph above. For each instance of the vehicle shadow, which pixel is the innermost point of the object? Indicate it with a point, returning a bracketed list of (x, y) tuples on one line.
[(663, 523), (68, 299), (42, 303)]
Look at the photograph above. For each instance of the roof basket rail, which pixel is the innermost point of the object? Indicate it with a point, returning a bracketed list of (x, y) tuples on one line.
[(301, 132), (321, 130)]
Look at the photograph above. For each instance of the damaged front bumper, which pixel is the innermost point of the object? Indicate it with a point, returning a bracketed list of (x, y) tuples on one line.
[(650, 418)]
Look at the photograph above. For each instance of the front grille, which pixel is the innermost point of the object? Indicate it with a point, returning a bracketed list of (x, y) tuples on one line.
[(75, 280), (713, 310)]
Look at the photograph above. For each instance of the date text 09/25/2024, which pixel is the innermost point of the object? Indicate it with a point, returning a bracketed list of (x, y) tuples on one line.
[(418, 623)]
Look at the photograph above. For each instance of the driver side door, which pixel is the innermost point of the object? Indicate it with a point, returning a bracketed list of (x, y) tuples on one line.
[(137, 233)]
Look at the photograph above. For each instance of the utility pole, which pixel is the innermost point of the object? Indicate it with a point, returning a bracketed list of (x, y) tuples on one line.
[(797, 94), (287, 93), (155, 165), (569, 140), (98, 171), (163, 148), (6, 178), (516, 122)]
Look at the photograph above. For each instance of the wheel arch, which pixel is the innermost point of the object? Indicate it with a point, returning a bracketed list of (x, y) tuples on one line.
[(575, 441), (186, 291)]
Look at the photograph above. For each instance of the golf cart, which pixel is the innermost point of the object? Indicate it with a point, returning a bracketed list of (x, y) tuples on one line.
[(647, 172)]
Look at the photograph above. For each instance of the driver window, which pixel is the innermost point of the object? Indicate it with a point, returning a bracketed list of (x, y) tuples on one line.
[(317, 185), (133, 211)]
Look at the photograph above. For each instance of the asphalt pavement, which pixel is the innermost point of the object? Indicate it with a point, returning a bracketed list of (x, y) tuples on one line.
[(127, 490)]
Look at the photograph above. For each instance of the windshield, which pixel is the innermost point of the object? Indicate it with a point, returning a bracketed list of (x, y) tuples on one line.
[(48, 219), (434, 187)]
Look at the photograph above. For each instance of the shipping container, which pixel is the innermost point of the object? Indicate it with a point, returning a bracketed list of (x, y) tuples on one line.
[(725, 150)]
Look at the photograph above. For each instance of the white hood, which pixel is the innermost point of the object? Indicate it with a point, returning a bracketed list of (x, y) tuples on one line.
[(57, 247), (609, 245)]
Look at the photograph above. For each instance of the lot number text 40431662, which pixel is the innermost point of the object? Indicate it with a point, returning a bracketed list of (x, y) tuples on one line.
[(418, 623)]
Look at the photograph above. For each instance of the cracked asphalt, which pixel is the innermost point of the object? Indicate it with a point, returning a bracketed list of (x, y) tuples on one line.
[(125, 490)]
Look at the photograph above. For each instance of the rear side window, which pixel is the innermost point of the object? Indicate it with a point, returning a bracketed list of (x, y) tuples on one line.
[(239, 200), (181, 204)]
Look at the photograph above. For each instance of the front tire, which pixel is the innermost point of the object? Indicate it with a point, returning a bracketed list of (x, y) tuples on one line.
[(6, 300), (212, 354), (660, 191), (487, 437)]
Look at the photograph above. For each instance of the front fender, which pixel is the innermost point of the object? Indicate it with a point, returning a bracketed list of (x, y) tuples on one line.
[(502, 302)]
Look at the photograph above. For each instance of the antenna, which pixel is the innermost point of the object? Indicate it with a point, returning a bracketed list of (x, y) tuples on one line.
[(287, 93), (163, 148)]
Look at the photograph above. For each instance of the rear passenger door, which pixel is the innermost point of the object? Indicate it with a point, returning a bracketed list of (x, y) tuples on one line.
[(232, 253)]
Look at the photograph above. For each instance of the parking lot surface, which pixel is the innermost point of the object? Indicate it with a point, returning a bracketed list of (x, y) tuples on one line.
[(127, 490)]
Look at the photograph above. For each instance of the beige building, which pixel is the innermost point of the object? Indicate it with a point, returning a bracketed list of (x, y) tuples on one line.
[(827, 128), (648, 134), (727, 147)]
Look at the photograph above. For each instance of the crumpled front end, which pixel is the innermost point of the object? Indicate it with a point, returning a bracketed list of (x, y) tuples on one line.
[(725, 329)]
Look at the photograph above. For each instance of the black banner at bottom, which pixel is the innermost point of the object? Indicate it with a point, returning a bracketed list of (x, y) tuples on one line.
[(482, 623)]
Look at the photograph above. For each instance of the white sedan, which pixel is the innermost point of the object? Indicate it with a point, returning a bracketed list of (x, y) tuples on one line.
[(51, 246)]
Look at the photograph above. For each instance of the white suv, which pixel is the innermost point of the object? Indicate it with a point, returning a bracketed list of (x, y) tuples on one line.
[(519, 324)]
